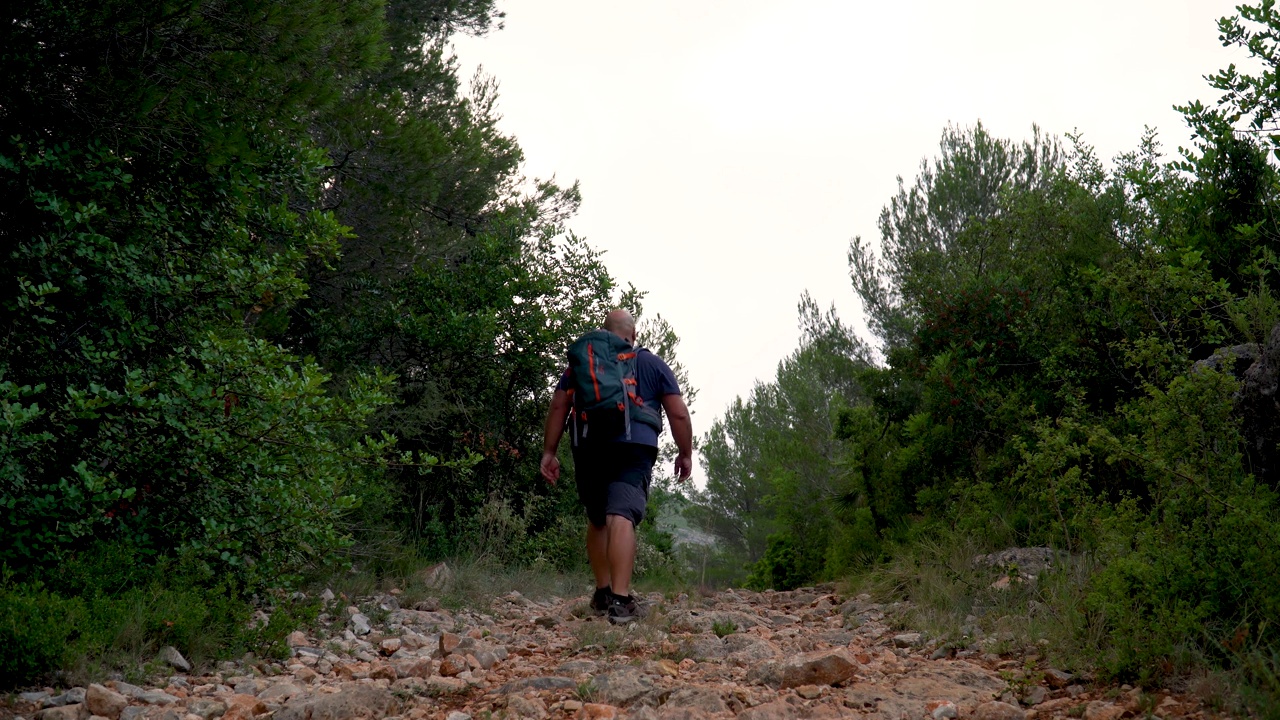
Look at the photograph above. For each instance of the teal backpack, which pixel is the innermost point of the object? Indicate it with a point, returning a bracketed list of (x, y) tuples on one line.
[(602, 366)]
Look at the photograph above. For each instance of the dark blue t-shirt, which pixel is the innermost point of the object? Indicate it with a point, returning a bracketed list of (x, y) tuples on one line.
[(653, 380)]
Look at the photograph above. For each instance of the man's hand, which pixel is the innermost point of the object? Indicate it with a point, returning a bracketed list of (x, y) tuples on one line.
[(684, 467), (550, 467)]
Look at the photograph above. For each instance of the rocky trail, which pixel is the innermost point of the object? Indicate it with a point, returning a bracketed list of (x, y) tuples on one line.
[(807, 653)]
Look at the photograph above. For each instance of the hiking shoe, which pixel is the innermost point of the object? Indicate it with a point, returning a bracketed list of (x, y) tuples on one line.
[(601, 600), (624, 609)]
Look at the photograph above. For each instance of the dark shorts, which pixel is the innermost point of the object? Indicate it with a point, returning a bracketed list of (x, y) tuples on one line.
[(613, 479)]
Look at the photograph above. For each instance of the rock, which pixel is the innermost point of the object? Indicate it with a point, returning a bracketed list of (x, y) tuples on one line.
[(546, 621), (702, 699), (134, 712), (131, 691), (1100, 710), (327, 595), (453, 665), (158, 697), (744, 649), (305, 674), (382, 672), (281, 693), (104, 702), (597, 711), (785, 710), (622, 686), (446, 685), (457, 715), (523, 707), (437, 577), (998, 711), (1026, 562), (908, 640), (296, 639), (1035, 695), (36, 697), (448, 643), (170, 656), (539, 683), (1058, 679), (353, 700), (244, 707), (809, 692), (74, 696), (945, 711), (667, 667), (207, 708), (72, 711), (360, 624), (821, 667)]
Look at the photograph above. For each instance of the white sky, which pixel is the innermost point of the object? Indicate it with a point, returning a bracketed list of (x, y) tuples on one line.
[(728, 151)]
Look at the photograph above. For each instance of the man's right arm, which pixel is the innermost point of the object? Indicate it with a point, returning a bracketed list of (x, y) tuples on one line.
[(552, 429), (681, 432)]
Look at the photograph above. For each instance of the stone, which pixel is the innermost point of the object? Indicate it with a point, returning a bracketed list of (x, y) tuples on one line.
[(170, 656), (73, 711), (74, 696), (437, 577), (446, 685), (1101, 710), (327, 595), (598, 711), (809, 692), (352, 701), (36, 697), (382, 671), (945, 711), (420, 668), (908, 640), (280, 693), (522, 707), (622, 686), (701, 699), (457, 715), (104, 702), (134, 712), (453, 665), (244, 707), (821, 667), (1035, 695), (207, 708), (539, 683), (996, 710), (305, 674), (785, 710), (1058, 679), (389, 646), (297, 639), (448, 643), (667, 667), (158, 697), (360, 624), (546, 621)]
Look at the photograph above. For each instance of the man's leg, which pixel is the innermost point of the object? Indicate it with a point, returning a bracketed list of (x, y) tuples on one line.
[(598, 553), (621, 539)]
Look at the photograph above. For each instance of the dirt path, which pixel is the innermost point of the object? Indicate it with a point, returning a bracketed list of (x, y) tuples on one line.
[(755, 656)]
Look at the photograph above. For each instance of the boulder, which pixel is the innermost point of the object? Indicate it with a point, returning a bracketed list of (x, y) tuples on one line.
[(352, 701), (821, 667), (104, 702), (170, 656), (998, 711), (622, 686)]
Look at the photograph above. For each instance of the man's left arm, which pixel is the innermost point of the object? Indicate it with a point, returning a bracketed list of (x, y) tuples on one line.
[(681, 432)]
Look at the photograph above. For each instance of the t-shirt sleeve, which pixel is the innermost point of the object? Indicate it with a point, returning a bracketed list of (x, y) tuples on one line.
[(664, 380), (566, 382)]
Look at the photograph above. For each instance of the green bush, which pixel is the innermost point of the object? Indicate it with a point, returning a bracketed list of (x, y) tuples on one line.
[(35, 628)]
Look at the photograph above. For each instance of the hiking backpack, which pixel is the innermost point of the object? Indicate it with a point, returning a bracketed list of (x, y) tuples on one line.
[(602, 367)]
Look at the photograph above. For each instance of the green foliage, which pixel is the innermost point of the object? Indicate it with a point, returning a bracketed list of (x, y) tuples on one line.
[(724, 627)]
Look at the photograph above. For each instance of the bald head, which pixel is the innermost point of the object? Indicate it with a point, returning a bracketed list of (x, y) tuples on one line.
[(619, 322)]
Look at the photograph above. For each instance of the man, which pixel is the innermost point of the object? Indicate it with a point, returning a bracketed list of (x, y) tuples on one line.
[(613, 473)]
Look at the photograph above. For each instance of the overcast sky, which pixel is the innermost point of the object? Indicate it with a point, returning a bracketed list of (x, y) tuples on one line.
[(728, 151)]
